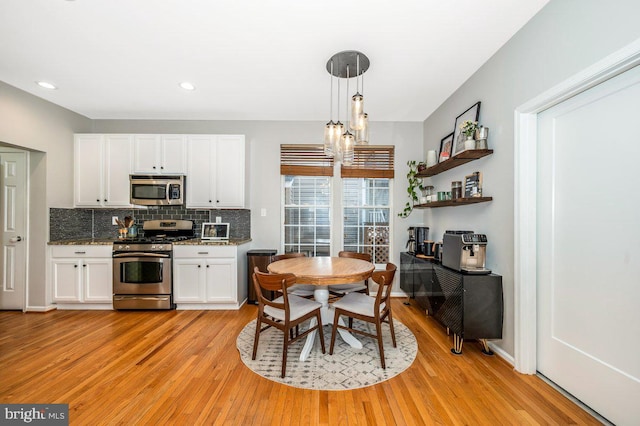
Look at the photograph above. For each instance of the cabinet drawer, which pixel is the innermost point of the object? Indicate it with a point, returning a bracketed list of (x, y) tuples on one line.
[(203, 251), (81, 251)]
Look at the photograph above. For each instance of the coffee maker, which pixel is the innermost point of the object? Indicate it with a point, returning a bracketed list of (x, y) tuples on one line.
[(466, 253), (411, 244), (422, 235)]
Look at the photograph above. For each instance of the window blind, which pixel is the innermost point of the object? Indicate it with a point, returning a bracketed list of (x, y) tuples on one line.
[(305, 160), (370, 161)]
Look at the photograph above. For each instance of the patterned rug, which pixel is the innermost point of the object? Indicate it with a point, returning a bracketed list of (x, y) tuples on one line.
[(347, 368)]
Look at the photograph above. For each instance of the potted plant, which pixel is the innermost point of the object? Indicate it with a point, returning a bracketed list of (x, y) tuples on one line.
[(469, 128), (415, 185)]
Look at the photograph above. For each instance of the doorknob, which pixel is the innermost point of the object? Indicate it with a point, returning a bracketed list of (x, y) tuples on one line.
[(15, 239)]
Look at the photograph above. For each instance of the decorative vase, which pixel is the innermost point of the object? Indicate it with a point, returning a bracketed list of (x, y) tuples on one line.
[(469, 143)]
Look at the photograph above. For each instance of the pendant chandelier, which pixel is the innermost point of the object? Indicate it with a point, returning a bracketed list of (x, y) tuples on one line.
[(338, 140)]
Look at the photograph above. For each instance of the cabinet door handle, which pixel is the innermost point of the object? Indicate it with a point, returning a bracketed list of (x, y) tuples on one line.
[(199, 266), (84, 266), (161, 167), (80, 252), (203, 252), (97, 200), (154, 167), (207, 266), (75, 266)]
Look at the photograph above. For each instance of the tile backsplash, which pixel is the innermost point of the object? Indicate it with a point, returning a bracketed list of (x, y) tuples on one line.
[(67, 224)]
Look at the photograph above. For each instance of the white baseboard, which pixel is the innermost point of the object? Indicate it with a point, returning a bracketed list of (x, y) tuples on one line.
[(40, 308), (502, 354)]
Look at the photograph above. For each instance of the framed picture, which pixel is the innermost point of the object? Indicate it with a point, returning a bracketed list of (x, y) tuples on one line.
[(473, 185), (472, 113), (445, 148), (215, 231)]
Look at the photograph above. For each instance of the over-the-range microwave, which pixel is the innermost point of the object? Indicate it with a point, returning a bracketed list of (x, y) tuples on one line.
[(156, 190)]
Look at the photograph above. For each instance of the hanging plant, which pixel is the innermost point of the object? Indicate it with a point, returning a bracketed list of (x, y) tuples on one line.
[(415, 184)]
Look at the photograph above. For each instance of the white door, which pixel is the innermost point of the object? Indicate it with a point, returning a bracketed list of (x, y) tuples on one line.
[(201, 155), (221, 280), (88, 170), (189, 281), (229, 172), (146, 154), (173, 154), (13, 229), (117, 167), (588, 258), (97, 277)]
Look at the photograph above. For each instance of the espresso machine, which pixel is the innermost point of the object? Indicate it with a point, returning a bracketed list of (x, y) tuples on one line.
[(465, 253)]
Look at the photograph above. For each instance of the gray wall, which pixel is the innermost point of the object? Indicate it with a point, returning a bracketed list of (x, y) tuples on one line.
[(46, 130), (565, 37)]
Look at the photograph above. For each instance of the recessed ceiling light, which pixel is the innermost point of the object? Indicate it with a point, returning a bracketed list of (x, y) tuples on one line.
[(187, 86), (46, 85)]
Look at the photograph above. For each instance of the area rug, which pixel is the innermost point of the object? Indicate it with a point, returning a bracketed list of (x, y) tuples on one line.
[(347, 368)]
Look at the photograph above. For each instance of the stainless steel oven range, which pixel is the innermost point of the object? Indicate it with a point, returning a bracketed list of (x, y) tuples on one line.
[(142, 267)]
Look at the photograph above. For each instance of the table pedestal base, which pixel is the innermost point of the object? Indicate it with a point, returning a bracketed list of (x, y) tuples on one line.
[(321, 294)]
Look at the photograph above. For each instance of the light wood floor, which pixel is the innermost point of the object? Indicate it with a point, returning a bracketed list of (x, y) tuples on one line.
[(182, 367)]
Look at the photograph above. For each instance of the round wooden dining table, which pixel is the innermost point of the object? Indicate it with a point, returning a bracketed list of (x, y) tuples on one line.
[(322, 272)]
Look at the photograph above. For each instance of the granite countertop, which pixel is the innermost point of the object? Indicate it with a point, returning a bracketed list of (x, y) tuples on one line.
[(83, 242), (200, 242), (110, 241)]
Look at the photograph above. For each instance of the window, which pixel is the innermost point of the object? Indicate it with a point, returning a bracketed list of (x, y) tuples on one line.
[(365, 205), (366, 211), (307, 199), (307, 213)]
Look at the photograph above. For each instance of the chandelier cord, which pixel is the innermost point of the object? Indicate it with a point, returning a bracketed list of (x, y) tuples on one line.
[(331, 96), (347, 106), (357, 73)]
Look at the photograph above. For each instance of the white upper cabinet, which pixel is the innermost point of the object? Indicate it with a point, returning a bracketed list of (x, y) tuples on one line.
[(230, 164), (102, 165), (215, 171), (214, 166), (159, 154)]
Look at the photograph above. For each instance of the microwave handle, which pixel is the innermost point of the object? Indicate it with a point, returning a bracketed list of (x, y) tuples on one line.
[(168, 191)]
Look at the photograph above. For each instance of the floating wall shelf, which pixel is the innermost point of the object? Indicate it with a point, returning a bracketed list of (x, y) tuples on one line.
[(455, 161)]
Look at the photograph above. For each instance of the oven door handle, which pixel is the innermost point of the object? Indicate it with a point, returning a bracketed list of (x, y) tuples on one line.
[(118, 297), (141, 254)]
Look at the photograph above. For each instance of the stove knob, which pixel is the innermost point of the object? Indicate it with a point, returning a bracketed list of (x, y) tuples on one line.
[(120, 247), (159, 247), (153, 247), (127, 247)]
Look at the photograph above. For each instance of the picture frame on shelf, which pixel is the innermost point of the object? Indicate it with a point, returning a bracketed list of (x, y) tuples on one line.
[(473, 185), (446, 144), (215, 231), (473, 114)]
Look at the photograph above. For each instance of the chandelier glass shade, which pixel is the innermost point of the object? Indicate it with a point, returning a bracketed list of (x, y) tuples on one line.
[(338, 140)]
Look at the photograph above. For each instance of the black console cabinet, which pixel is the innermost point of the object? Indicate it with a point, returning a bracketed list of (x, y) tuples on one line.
[(469, 306)]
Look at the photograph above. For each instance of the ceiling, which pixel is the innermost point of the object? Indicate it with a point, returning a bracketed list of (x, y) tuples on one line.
[(249, 59)]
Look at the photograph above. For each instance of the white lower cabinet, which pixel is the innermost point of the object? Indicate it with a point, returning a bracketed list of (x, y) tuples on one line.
[(82, 277), (207, 277)]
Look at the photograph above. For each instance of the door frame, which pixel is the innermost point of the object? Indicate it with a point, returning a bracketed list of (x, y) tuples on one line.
[(525, 187), (27, 192)]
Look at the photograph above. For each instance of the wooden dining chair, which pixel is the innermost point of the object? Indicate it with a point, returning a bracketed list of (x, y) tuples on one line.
[(375, 310), (302, 290), (339, 290), (284, 313)]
